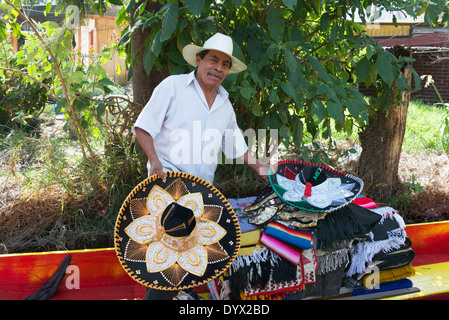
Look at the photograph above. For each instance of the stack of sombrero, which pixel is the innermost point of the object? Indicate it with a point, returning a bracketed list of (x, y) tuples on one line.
[(307, 210)]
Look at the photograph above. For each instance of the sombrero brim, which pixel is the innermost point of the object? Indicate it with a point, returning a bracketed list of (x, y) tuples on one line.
[(190, 51), (289, 169), (215, 210)]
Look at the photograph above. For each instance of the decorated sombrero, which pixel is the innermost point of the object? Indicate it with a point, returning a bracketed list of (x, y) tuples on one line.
[(312, 187), (177, 234)]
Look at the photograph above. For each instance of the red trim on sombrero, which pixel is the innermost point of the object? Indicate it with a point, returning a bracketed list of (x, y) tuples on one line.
[(307, 164)]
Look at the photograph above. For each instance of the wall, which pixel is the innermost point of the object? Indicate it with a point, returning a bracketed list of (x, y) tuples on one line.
[(437, 65)]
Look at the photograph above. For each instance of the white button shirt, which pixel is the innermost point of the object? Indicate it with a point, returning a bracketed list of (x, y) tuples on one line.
[(188, 136)]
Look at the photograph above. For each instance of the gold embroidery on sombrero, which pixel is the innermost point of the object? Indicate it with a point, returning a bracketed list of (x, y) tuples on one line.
[(206, 237), (216, 253), (177, 189), (174, 275), (194, 260), (135, 251), (193, 201), (155, 252), (158, 200), (134, 229), (139, 207), (212, 212)]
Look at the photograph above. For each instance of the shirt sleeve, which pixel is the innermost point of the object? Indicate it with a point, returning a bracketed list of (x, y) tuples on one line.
[(153, 114), (234, 144)]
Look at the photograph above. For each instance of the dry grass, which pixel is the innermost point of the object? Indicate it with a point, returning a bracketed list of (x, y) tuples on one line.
[(432, 173)]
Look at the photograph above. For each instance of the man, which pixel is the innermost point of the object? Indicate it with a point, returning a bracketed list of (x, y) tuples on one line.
[(189, 119)]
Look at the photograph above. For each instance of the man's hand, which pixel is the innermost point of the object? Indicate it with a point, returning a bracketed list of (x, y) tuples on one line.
[(262, 169), (156, 168)]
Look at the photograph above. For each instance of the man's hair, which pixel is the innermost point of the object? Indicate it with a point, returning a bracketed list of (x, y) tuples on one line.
[(203, 53)]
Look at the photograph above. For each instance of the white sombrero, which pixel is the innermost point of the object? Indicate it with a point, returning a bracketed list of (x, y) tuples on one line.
[(219, 42)]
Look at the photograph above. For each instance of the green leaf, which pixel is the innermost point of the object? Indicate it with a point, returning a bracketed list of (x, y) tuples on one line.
[(335, 110), (318, 111), (290, 3), (256, 109), (362, 69), (290, 61), (105, 82), (275, 23), (47, 8), (297, 132), (255, 48), (130, 6), (194, 6), (101, 108), (317, 66), (3, 33), (385, 67), (247, 92), (151, 52), (169, 22), (325, 22), (76, 77), (273, 96), (289, 89), (61, 104), (284, 132), (357, 109)]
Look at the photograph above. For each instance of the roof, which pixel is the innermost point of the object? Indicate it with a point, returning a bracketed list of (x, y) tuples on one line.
[(437, 39)]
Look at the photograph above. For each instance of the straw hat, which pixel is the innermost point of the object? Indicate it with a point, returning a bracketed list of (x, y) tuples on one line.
[(219, 42)]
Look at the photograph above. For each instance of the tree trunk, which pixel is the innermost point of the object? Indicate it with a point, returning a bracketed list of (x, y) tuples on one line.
[(381, 143), (143, 83)]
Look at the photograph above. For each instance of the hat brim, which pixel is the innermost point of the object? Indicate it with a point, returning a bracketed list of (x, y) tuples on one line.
[(190, 51), (134, 255), (289, 169)]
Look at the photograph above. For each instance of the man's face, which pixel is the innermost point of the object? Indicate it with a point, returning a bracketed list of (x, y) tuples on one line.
[(212, 69)]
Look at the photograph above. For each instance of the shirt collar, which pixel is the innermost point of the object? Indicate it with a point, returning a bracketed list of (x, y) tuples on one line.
[(191, 78)]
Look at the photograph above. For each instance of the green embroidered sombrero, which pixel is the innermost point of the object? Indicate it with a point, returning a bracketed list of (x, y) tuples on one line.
[(177, 234), (312, 187)]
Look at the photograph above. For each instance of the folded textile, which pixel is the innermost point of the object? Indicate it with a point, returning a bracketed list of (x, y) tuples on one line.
[(278, 285), (395, 258), (239, 205), (250, 238), (390, 275), (347, 223), (327, 284), (393, 265), (283, 249), (365, 202), (257, 269), (275, 288), (330, 261), (302, 239), (388, 235), (387, 286)]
